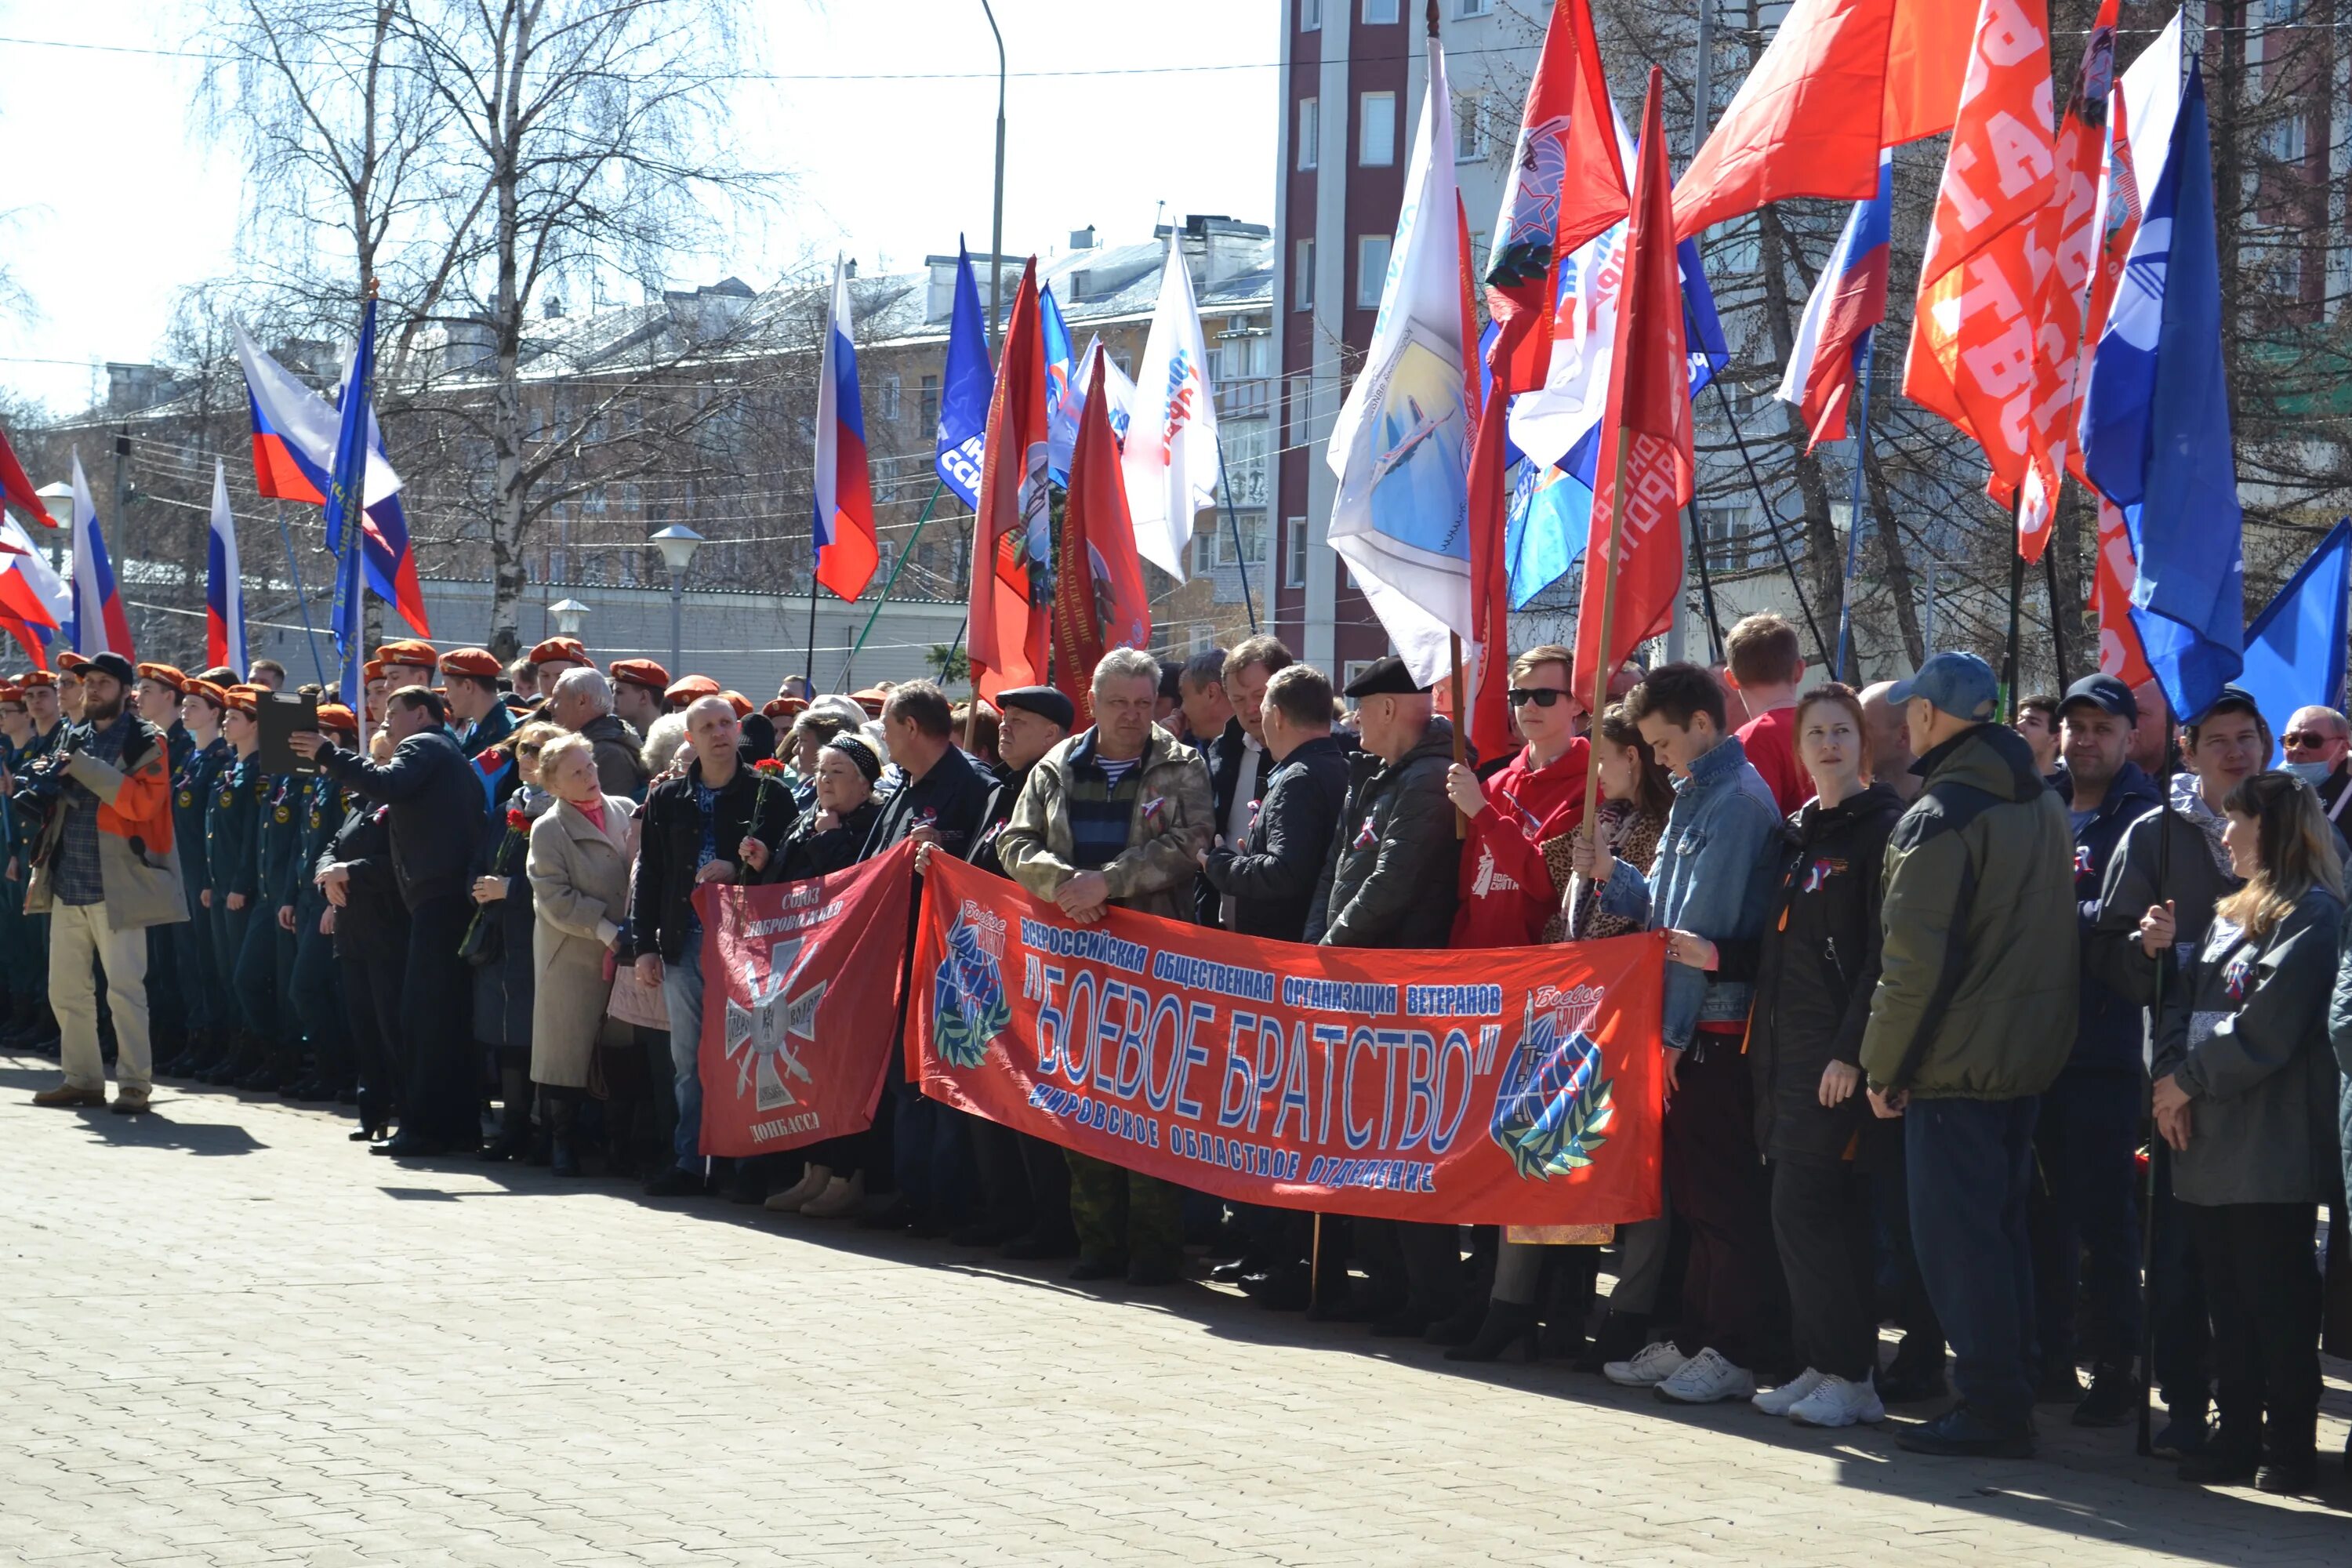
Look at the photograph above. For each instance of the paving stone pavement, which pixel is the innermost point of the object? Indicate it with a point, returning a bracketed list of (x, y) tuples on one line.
[(227, 1336)]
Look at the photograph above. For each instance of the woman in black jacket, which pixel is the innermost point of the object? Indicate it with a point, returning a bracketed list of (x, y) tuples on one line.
[(1815, 968)]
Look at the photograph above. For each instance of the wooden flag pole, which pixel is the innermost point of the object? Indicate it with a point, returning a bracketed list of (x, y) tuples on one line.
[(1601, 671)]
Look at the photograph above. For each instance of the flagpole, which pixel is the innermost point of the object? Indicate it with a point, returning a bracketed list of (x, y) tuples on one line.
[(1600, 672), (2016, 595), (1854, 513), (922, 522), (1241, 555), (301, 599), (1706, 580), (2049, 570), (2147, 1442), (809, 659)]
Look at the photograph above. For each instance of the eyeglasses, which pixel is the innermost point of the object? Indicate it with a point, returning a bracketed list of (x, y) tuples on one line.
[(528, 751), (2311, 738), (1541, 696)]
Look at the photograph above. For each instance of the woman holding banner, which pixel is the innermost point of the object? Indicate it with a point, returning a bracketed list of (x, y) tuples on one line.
[(1636, 792)]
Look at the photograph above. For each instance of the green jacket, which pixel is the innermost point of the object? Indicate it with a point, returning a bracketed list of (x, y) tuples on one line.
[(1172, 821), (1976, 996)]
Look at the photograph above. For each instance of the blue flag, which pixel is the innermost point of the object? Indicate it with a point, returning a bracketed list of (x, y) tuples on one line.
[(345, 492), (2294, 650), (967, 390), (1061, 408), (2156, 428)]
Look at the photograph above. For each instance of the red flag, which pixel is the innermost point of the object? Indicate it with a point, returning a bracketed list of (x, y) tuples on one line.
[(1841, 80), (1642, 476), (17, 490), (1099, 599), (1490, 583), (1980, 287), (1007, 632), (1567, 186), (2072, 226), (2120, 654)]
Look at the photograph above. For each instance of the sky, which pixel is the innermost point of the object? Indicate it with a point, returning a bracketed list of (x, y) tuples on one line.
[(114, 196)]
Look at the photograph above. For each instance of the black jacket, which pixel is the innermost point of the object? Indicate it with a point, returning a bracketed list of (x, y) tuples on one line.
[(436, 809), (372, 911), (952, 799), (670, 850), (1223, 754), (982, 852), (1272, 879), (2109, 1033), (807, 852), (1816, 967), (1391, 877)]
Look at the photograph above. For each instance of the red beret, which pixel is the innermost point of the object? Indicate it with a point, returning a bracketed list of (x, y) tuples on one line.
[(208, 690), (743, 704), (689, 688), (72, 662), (38, 677), (167, 674), (409, 651), (565, 650), (642, 672), (244, 699), (335, 716), (479, 662)]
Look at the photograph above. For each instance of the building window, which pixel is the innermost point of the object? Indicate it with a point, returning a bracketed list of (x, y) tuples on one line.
[(1310, 130), (1205, 550), (931, 396), (1251, 551), (885, 397), (1465, 8), (1244, 462), (1724, 529), (1202, 641), (1302, 276), (1295, 414), (1311, 16), (1294, 539), (1470, 143), (1371, 269), (1352, 669), (1379, 12), (1376, 136)]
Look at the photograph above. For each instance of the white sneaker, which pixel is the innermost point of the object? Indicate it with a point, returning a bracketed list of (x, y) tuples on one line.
[(812, 1183), (1651, 1367), (1777, 1401), (1708, 1379), (1838, 1403)]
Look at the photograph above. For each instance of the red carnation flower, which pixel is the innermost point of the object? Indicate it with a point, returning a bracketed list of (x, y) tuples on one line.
[(770, 766), (518, 821)]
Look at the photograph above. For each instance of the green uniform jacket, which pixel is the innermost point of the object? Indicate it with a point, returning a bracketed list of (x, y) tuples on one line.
[(1979, 967), (283, 824), (191, 793), (232, 826)]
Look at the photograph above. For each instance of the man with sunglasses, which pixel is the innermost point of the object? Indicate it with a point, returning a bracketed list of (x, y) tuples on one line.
[(2317, 736), (1506, 892)]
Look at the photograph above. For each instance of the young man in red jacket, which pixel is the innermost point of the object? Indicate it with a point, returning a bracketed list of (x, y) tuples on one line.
[(1507, 891), (1766, 663)]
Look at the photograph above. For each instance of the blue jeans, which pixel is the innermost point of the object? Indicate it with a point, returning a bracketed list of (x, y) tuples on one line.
[(682, 994), (1971, 1164)]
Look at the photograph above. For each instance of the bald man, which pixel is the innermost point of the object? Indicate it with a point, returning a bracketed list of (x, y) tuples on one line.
[(1890, 742)]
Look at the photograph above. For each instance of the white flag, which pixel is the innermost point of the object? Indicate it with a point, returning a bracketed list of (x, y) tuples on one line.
[(1401, 445), (1170, 458)]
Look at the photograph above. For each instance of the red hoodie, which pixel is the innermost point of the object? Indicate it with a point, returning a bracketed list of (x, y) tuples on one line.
[(1506, 891)]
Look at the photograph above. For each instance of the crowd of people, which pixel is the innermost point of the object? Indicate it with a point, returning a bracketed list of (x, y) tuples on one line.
[(1944, 997)]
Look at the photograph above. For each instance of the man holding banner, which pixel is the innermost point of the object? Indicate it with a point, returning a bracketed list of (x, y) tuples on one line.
[(1117, 814)]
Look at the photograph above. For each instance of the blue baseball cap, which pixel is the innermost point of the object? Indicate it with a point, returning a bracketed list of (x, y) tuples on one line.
[(1959, 684)]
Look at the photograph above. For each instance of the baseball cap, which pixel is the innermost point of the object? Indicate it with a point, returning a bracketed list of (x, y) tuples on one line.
[(2104, 692), (1959, 684)]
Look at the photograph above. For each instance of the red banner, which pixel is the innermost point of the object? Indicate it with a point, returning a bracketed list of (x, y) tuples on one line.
[(798, 1002), (1516, 1086)]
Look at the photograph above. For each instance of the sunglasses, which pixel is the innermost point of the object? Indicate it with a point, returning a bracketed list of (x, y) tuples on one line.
[(2310, 737), (1541, 696)]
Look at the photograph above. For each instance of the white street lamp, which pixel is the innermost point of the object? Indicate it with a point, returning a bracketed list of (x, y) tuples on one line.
[(677, 545)]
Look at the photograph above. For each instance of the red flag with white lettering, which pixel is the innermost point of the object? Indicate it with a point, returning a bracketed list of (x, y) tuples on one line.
[(1645, 434)]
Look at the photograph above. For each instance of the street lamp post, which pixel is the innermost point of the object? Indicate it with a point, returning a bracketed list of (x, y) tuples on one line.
[(677, 545), (996, 226)]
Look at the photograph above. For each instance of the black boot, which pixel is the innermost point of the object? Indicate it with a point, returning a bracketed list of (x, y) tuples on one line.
[(235, 1061), (2114, 1398), (563, 1115), (513, 1140), (1506, 1323), (1459, 1328)]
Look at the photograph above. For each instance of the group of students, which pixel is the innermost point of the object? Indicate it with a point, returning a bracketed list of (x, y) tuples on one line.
[(1931, 981)]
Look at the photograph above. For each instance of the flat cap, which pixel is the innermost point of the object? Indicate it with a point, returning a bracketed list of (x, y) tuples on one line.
[(479, 662), (1387, 676), (642, 672), (1041, 700)]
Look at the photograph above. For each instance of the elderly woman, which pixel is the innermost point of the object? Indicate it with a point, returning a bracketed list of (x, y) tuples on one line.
[(828, 837), (502, 987), (581, 850)]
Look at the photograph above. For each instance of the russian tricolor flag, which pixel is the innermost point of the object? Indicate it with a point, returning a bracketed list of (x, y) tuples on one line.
[(1848, 301), (845, 549), (294, 436), (223, 588), (100, 625)]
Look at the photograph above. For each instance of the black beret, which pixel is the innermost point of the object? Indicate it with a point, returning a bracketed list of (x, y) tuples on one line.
[(1042, 700), (1386, 678)]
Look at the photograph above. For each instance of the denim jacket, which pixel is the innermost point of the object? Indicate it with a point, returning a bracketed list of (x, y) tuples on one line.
[(1714, 875)]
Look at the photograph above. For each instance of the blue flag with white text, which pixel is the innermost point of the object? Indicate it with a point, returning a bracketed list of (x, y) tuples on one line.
[(2156, 428), (966, 390)]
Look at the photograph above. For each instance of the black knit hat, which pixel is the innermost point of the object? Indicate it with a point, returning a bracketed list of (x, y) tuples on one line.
[(858, 749)]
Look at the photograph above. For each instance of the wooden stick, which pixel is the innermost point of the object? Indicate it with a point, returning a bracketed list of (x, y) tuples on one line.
[(1461, 718), (1608, 618)]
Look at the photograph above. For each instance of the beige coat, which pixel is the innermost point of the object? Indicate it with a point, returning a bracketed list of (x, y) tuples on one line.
[(579, 888)]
